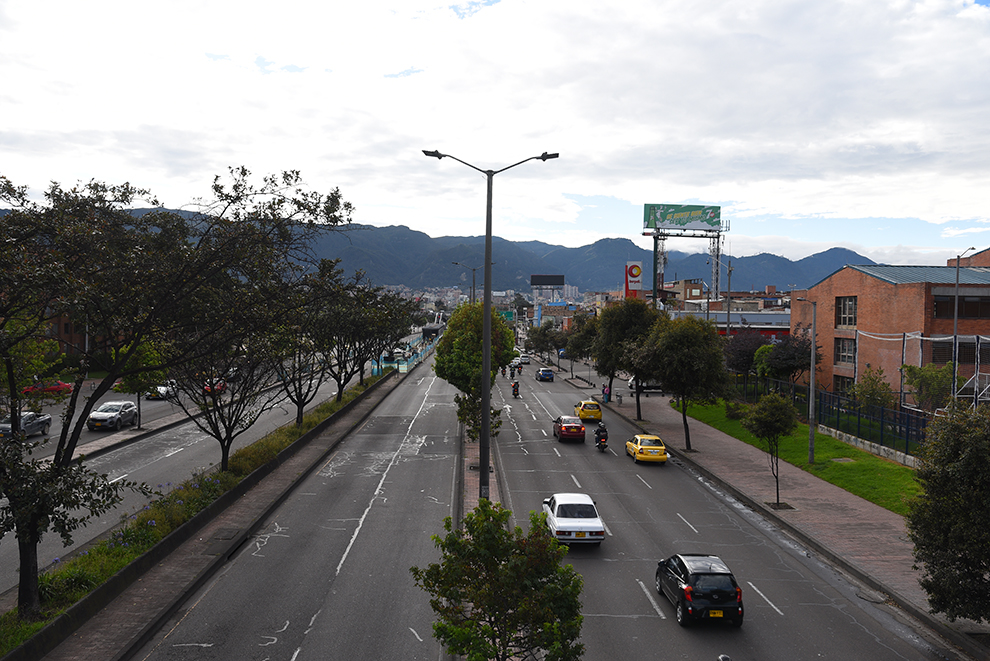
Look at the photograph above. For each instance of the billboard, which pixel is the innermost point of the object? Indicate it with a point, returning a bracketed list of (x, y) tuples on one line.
[(546, 281), (634, 277), (682, 217)]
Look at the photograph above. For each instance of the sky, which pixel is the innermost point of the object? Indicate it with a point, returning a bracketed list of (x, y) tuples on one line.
[(862, 124)]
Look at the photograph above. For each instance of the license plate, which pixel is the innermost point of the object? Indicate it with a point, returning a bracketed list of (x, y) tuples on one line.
[(97, 424), (579, 534), (654, 451), (714, 613)]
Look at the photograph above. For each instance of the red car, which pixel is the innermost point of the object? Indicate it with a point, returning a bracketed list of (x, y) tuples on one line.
[(53, 387), (568, 427)]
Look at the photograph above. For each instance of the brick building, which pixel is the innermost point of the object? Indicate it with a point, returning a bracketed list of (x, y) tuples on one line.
[(887, 316)]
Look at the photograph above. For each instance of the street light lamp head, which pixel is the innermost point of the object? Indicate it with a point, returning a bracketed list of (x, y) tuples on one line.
[(434, 154), (545, 156)]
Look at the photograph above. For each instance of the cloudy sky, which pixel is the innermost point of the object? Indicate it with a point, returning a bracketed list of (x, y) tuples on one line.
[(863, 124)]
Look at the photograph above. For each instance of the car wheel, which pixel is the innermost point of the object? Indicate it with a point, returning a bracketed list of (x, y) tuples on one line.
[(47, 428), (117, 425), (681, 615)]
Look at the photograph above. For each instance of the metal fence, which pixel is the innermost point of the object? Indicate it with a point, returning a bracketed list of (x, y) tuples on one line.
[(899, 430)]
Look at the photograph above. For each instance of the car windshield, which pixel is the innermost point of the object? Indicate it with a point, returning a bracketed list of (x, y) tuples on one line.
[(651, 442), (710, 582), (577, 511), (109, 408)]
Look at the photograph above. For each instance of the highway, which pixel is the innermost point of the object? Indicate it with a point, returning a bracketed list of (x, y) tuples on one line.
[(327, 577)]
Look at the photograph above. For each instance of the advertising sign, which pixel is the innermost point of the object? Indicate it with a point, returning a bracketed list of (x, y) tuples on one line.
[(682, 217), (634, 277)]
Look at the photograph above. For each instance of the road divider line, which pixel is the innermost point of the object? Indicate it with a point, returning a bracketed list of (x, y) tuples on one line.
[(643, 481), (575, 481), (557, 451), (653, 602), (757, 590), (688, 524)]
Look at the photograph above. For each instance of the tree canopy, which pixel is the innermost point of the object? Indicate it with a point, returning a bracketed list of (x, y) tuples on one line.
[(769, 420), (501, 594), (618, 325), (932, 384)]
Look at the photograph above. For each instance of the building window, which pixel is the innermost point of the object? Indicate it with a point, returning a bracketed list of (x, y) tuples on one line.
[(845, 312), (841, 385), (970, 307), (845, 351)]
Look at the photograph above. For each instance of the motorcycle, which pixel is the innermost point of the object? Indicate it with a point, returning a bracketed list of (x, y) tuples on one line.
[(601, 440), (515, 390)]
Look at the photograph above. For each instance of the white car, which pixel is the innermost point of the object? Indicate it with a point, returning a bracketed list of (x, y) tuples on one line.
[(524, 358), (573, 519)]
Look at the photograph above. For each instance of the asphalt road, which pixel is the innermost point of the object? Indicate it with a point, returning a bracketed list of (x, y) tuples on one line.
[(796, 606), (328, 575), (161, 460)]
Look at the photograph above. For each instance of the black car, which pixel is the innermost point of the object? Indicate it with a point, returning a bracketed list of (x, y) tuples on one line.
[(700, 587)]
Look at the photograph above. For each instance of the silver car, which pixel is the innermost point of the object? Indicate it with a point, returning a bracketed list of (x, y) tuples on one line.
[(112, 415)]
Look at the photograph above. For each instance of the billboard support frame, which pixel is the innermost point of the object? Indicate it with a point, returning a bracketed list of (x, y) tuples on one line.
[(663, 221)]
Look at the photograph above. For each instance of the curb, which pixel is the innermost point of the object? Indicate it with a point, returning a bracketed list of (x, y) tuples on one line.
[(960, 640)]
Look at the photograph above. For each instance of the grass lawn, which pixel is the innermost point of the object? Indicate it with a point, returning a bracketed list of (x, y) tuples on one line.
[(881, 481)]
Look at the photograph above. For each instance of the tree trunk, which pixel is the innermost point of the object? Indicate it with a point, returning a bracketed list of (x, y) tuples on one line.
[(28, 598), (687, 431)]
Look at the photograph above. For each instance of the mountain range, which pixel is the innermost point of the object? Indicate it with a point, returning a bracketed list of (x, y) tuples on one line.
[(398, 255)]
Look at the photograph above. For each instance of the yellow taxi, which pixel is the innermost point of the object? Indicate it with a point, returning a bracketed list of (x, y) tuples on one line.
[(588, 410), (646, 447)]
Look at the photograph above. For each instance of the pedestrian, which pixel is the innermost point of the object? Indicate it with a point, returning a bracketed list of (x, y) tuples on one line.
[(607, 393)]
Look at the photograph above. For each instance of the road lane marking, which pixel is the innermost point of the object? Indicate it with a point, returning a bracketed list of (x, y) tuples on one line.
[(174, 452), (416, 634), (688, 524), (607, 530), (643, 481), (118, 479), (764, 597), (653, 602), (575, 481), (557, 451)]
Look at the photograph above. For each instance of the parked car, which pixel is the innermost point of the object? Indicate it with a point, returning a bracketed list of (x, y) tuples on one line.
[(573, 519), (588, 410), (647, 447), (30, 423), (700, 587), (165, 390), (51, 387), (645, 387), (567, 426), (112, 415), (544, 374)]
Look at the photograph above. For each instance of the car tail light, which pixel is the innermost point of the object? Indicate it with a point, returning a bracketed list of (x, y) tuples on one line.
[(687, 593), (598, 533), (739, 595), (582, 427), (561, 533)]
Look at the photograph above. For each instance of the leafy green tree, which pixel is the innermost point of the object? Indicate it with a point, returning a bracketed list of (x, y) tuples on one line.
[(690, 363), (137, 381), (459, 361), (630, 321), (872, 389), (740, 350), (770, 419), (932, 384), (644, 359), (789, 358), (502, 594), (947, 522)]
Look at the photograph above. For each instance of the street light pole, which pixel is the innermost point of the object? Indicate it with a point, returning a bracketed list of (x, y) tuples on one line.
[(484, 447), (812, 422), (955, 325), (472, 276)]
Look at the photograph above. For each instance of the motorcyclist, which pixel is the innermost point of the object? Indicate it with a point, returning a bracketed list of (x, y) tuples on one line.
[(601, 434), (503, 370), (515, 388)]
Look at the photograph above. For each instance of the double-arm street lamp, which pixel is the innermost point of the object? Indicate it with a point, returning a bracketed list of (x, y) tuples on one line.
[(812, 392), (472, 276), (486, 348)]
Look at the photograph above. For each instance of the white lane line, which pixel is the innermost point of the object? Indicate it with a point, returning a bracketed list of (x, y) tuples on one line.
[(557, 451), (118, 479), (174, 452), (764, 597), (643, 481), (653, 602), (416, 634), (576, 481), (381, 482), (607, 530), (688, 524), (545, 431)]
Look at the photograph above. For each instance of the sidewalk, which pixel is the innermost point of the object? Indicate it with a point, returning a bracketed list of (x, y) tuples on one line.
[(867, 541)]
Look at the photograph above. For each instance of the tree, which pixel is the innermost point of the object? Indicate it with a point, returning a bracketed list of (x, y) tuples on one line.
[(138, 382), (628, 322), (770, 419), (501, 594), (872, 389), (740, 350), (690, 362), (947, 522), (932, 384), (789, 358), (459, 361)]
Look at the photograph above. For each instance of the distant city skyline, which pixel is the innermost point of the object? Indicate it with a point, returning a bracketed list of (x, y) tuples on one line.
[(812, 125)]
